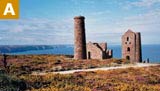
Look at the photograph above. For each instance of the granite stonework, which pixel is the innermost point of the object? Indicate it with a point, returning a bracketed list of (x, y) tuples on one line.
[(98, 51), (131, 46), (79, 38)]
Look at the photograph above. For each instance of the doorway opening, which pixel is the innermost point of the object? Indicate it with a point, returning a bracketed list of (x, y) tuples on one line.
[(128, 57), (89, 55)]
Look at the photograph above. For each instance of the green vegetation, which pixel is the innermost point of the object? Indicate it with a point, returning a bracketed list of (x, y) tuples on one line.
[(17, 76), (131, 79), (26, 64), (11, 83)]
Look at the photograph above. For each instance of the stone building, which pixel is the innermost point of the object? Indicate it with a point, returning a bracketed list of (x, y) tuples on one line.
[(131, 46), (79, 38), (98, 51), (92, 50)]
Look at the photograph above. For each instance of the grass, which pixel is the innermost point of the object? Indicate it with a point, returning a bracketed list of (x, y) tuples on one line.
[(26, 64), (18, 75), (130, 79)]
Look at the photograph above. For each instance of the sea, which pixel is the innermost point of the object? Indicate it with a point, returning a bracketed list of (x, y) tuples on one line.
[(151, 52)]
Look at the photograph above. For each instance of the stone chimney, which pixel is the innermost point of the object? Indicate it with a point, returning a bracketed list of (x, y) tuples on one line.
[(79, 38)]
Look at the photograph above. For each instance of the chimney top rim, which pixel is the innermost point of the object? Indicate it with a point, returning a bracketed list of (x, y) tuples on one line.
[(79, 17)]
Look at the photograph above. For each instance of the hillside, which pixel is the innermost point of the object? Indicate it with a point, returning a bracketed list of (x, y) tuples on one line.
[(18, 75), (22, 48)]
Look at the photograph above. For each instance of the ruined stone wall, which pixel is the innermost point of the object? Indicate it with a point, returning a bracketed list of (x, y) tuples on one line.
[(93, 52), (109, 53), (131, 46), (98, 51), (138, 47), (103, 46), (79, 38), (128, 45)]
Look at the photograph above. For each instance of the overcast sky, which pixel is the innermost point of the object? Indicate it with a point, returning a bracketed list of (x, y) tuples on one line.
[(51, 21)]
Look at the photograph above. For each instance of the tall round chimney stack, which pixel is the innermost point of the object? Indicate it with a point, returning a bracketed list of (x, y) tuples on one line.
[(138, 47), (79, 38)]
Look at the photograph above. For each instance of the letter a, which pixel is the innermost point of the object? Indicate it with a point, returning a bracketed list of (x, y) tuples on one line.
[(9, 9)]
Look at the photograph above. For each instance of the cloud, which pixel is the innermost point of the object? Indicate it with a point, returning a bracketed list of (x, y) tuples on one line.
[(147, 19), (140, 4), (148, 23), (145, 3), (83, 1), (35, 24), (102, 23), (36, 31)]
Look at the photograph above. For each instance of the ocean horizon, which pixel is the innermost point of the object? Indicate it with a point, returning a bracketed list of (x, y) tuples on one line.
[(148, 51)]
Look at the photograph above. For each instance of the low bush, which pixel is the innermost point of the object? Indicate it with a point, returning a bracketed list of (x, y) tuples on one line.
[(10, 83)]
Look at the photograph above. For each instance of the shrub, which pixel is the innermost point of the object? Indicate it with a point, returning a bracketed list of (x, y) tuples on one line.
[(10, 83)]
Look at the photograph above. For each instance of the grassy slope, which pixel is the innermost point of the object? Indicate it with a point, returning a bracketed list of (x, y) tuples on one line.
[(25, 64), (131, 79)]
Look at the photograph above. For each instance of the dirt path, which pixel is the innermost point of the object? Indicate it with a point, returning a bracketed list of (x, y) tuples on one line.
[(105, 68)]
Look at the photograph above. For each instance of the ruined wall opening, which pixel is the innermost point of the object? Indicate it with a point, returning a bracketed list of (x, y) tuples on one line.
[(128, 49), (128, 57), (127, 38), (89, 55)]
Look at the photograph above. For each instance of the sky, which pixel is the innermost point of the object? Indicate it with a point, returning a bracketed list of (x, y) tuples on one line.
[(50, 22)]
